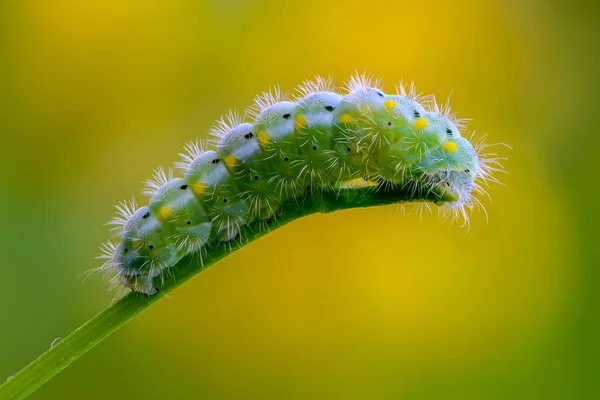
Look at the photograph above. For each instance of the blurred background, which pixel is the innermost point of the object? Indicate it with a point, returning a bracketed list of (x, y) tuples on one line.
[(359, 304)]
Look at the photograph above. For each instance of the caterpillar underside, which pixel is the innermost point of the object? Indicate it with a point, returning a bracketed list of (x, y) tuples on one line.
[(322, 140)]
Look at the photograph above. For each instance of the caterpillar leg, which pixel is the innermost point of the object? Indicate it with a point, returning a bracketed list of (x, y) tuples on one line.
[(138, 283)]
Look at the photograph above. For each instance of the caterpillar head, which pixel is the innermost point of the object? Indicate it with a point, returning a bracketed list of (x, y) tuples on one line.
[(126, 260), (137, 265), (455, 165), (142, 234), (148, 266)]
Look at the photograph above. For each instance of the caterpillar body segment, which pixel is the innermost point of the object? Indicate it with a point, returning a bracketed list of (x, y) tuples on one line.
[(321, 140), (315, 139)]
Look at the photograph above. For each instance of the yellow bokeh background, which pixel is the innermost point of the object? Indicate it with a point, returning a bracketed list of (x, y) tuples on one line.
[(361, 304)]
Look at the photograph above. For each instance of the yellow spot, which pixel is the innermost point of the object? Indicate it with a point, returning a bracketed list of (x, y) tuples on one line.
[(389, 104), (346, 118), (198, 187), (263, 138), (420, 123), (358, 183), (300, 121), (163, 213), (450, 147), (230, 161)]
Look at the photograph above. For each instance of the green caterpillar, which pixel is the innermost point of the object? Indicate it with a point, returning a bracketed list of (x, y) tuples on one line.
[(322, 140)]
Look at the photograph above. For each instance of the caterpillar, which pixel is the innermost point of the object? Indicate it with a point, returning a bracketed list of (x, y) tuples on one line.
[(318, 140)]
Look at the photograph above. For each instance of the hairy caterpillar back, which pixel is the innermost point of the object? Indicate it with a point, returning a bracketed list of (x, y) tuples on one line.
[(318, 140)]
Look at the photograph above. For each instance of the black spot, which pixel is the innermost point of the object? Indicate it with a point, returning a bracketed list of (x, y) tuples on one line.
[(286, 159), (467, 170), (183, 187), (449, 131), (151, 247), (255, 177), (314, 147), (286, 116), (349, 149), (330, 108), (215, 161), (379, 94), (389, 123), (249, 135), (225, 200), (125, 250), (146, 215), (189, 222), (417, 114)]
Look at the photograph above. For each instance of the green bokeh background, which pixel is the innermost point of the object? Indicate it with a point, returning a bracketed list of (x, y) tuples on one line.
[(360, 304)]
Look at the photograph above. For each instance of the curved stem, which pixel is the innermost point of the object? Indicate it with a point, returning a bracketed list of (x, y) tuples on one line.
[(112, 318)]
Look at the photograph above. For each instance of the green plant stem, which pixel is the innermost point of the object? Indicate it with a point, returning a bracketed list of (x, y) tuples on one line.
[(112, 318)]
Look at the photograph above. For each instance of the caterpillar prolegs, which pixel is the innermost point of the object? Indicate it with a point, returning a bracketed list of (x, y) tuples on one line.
[(318, 141)]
